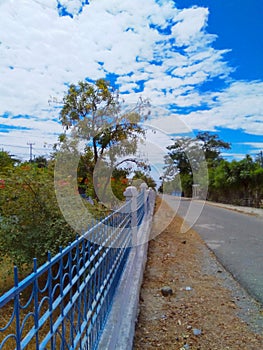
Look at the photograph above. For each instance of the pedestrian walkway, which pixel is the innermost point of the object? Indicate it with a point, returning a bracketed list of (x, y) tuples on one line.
[(249, 210)]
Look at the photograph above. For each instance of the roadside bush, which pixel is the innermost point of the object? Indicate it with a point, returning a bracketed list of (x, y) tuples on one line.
[(31, 222)]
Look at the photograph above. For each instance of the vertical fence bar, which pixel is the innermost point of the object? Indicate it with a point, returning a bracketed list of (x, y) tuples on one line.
[(63, 343), (78, 290), (17, 311), (144, 210), (35, 293), (143, 189), (71, 316), (50, 302)]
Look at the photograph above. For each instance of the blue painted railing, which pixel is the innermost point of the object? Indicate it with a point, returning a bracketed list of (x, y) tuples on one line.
[(64, 303)]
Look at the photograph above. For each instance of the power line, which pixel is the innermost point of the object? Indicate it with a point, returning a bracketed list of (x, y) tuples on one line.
[(16, 146), (3, 144)]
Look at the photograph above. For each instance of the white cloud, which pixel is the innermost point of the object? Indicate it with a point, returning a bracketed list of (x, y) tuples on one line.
[(230, 156), (172, 124), (41, 51), (72, 6), (46, 50), (254, 144), (237, 107), (254, 147), (190, 24)]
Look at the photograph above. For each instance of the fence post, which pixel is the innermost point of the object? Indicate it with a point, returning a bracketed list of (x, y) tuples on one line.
[(131, 195), (143, 188)]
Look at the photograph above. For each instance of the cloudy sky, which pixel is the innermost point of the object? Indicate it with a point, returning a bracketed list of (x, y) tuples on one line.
[(199, 62)]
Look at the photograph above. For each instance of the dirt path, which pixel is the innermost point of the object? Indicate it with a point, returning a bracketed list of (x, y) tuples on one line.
[(207, 310)]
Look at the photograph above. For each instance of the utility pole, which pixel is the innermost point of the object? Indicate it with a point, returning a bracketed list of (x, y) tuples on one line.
[(261, 158), (30, 151)]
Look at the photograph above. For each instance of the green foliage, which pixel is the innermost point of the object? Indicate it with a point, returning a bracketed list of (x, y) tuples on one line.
[(31, 222), (212, 146), (139, 175), (6, 161), (96, 114), (85, 173), (41, 161), (188, 159), (188, 153), (119, 182), (237, 182)]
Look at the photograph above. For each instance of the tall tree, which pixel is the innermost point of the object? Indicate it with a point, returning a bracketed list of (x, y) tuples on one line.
[(96, 114), (189, 158), (212, 147)]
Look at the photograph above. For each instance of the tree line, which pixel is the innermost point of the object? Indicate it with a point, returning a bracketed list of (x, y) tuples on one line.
[(237, 182)]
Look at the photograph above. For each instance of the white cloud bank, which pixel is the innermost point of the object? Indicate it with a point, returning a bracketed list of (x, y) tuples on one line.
[(165, 49), (237, 107)]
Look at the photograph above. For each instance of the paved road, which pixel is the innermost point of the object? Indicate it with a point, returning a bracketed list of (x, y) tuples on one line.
[(236, 239)]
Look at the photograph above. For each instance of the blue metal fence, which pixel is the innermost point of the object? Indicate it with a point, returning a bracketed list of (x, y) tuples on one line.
[(64, 303)]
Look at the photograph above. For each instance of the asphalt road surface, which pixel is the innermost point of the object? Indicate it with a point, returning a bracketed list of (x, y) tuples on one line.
[(236, 239)]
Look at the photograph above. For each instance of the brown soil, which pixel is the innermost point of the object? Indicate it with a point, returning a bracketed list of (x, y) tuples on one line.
[(205, 298)]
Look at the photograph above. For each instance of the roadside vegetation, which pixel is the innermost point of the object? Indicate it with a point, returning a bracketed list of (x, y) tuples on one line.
[(238, 182), (31, 223)]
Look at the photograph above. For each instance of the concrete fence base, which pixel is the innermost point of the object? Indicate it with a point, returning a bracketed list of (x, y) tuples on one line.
[(120, 327)]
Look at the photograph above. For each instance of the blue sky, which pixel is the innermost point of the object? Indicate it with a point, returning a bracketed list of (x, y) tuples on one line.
[(199, 62)]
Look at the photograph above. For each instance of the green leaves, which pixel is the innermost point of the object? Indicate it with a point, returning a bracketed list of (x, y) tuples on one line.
[(94, 113), (237, 182), (6, 161), (31, 222)]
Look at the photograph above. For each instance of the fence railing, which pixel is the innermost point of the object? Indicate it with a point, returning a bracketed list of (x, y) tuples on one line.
[(64, 303)]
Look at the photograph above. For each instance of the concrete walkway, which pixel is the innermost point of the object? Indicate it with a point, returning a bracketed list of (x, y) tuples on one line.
[(249, 210)]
